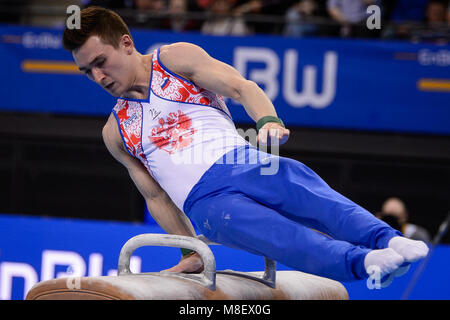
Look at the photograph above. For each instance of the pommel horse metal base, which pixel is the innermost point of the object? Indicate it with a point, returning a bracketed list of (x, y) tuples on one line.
[(210, 284)]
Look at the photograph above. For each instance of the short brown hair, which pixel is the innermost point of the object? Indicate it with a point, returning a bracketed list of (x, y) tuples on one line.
[(96, 21)]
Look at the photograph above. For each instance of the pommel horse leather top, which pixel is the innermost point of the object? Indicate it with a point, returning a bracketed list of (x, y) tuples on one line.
[(208, 285)]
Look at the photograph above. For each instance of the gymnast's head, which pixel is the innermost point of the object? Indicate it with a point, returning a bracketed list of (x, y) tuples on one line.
[(103, 49)]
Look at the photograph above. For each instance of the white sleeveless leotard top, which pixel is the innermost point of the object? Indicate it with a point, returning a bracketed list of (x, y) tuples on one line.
[(178, 132)]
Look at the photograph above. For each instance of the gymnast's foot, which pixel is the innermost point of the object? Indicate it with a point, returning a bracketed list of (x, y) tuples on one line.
[(410, 250), (386, 261)]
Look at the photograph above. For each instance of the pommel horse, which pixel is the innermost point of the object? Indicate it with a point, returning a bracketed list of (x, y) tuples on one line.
[(210, 284)]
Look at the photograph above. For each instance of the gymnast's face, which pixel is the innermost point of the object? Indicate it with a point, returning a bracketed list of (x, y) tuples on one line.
[(109, 67)]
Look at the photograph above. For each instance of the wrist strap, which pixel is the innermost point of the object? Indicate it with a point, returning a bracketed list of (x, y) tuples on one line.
[(186, 252), (261, 122)]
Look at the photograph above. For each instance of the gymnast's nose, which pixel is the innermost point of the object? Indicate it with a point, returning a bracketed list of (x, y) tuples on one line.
[(98, 76)]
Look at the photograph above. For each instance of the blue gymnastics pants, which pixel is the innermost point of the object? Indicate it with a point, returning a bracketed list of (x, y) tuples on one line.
[(292, 216)]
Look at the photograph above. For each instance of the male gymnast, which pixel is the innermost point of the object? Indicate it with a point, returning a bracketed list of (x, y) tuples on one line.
[(170, 106)]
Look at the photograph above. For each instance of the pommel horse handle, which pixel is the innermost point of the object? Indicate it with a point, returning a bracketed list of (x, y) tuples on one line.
[(208, 276)]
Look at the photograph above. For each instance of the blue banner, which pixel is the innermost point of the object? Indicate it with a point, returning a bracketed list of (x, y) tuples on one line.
[(34, 249), (321, 83)]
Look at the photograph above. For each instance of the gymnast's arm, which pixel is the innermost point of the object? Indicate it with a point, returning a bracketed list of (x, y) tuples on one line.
[(161, 207), (195, 64)]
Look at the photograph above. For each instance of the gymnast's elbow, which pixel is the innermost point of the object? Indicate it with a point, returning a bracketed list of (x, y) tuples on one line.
[(239, 90), (156, 195)]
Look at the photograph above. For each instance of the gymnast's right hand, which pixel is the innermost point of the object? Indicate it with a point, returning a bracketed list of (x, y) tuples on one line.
[(191, 263)]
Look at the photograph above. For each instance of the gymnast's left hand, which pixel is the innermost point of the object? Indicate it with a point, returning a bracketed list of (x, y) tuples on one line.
[(191, 263), (273, 133)]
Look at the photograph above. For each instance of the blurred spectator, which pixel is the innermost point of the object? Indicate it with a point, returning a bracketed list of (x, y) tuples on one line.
[(351, 16), (110, 4), (205, 4), (178, 21), (403, 17), (436, 28), (139, 19), (150, 14), (251, 8), (267, 7), (299, 19), (448, 13), (248, 7), (150, 5), (405, 10), (222, 22), (394, 212), (436, 13)]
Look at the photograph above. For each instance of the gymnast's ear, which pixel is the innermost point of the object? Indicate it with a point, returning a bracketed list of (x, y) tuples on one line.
[(126, 43)]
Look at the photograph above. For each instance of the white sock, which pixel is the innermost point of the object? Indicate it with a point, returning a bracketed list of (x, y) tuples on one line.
[(410, 250), (387, 260)]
